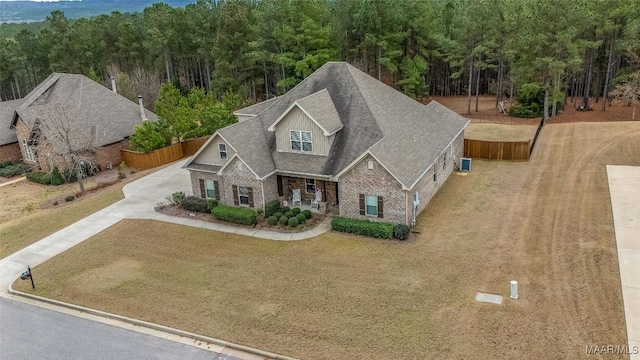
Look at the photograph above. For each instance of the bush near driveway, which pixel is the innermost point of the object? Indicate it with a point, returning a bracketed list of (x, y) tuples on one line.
[(272, 208), (363, 227), (39, 177), (192, 203), (239, 215)]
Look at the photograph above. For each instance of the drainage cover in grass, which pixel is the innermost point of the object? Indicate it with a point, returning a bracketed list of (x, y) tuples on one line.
[(490, 298)]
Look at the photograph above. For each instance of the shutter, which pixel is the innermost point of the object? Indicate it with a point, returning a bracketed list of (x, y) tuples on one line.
[(250, 197), (216, 190), (280, 187), (380, 207), (362, 211), (203, 194), (235, 195)]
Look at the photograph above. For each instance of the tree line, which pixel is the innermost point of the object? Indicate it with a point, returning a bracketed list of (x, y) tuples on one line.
[(261, 49)]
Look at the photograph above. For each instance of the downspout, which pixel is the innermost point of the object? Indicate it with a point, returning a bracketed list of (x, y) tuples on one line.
[(264, 206)]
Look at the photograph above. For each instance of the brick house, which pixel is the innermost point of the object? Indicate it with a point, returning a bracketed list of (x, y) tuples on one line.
[(9, 147), (100, 116), (373, 152)]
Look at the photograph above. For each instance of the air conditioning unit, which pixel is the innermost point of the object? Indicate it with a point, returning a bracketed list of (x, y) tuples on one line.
[(465, 164)]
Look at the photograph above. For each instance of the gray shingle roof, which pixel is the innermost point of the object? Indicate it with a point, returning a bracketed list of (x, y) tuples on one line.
[(7, 109), (112, 115), (256, 109), (404, 135)]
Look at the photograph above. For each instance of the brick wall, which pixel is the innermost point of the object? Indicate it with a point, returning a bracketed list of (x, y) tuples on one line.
[(195, 183), (23, 132), (10, 152), (361, 180), (234, 176), (426, 187), (110, 154)]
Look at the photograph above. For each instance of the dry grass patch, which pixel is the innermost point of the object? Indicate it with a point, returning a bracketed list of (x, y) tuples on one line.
[(546, 223), (499, 132), (23, 221)]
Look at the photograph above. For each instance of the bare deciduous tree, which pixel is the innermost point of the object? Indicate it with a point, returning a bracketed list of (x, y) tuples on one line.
[(60, 142), (629, 92)]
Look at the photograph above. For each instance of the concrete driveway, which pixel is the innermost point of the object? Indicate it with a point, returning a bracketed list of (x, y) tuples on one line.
[(624, 188), (141, 196)]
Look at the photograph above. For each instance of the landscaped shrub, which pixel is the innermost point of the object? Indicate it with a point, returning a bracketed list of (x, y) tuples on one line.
[(288, 214), (363, 227), (240, 215), (272, 220), (211, 203), (296, 210), (400, 231), (70, 175), (56, 177), (285, 209), (177, 198), (293, 222), (283, 220), (192, 203), (272, 208), (301, 218), (69, 198), (122, 170), (39, 177), (9, 169), (307, 213), (278, 215), (5, 164)]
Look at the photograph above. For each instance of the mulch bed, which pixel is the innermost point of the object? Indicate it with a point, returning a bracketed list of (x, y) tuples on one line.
[(262, 224)]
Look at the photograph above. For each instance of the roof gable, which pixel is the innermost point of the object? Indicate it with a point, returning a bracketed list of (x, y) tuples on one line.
[(320, 109), (109, 116)]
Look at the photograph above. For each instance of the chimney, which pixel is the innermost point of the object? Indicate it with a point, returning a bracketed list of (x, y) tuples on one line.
[(144, 117), (113, 85)]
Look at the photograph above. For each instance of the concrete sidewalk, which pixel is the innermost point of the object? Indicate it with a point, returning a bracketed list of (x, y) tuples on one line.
[(624, 188)]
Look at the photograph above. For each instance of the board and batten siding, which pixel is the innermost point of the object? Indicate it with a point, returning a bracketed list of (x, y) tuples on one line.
[(211, 154), (296, 119)]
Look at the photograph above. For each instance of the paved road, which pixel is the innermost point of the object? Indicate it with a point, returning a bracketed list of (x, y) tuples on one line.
[(30, 332)]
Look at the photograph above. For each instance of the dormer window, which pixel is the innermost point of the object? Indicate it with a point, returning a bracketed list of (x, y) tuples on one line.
[(301, 141), (223, 151)]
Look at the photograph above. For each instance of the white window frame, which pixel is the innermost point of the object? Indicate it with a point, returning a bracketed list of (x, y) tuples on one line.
[(301, 142), (366, 206), (207, 189), (307, 184), (222, 149), (28, 151), (240, 195)]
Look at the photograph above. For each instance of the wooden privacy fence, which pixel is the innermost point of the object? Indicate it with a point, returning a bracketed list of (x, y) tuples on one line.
[(497, 150), (162, 156)]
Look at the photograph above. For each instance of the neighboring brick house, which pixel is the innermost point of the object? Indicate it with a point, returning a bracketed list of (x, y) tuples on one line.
[(373, 152), (100, 117), (9, 146)]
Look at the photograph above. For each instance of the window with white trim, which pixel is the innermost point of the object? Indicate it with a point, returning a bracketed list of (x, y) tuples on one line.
[(310, 185), (210, 190), (28, 151), (223, 151), (371, 205), (243, 195), (301, 140)]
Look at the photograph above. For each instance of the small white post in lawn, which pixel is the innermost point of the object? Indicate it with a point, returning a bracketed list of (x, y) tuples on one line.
[(514, 290)]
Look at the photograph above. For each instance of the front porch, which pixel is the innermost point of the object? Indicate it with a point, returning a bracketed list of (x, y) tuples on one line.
[(308, 189)]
